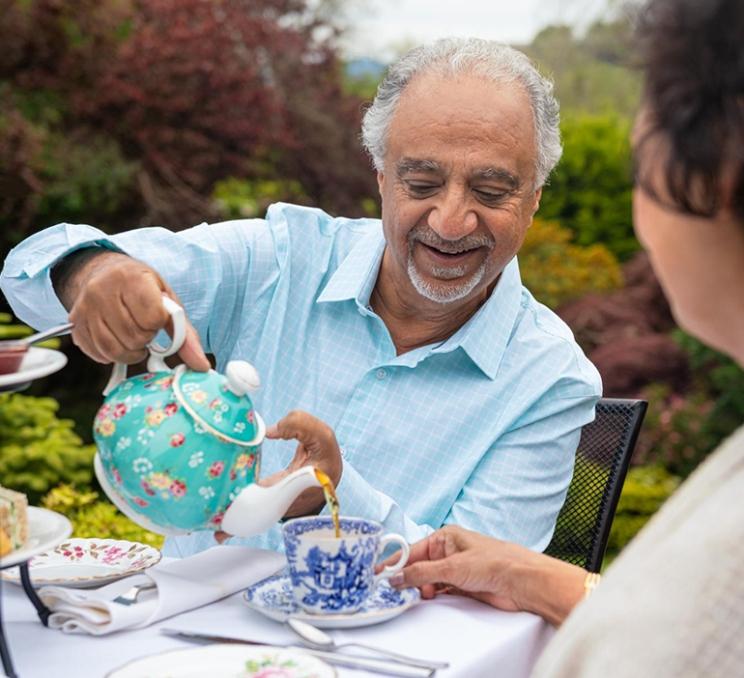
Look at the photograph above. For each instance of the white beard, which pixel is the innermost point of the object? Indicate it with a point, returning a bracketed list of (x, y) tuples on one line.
[(444, 294)]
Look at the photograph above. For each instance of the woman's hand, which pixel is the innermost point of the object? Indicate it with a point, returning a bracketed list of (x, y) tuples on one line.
[(507, 576)]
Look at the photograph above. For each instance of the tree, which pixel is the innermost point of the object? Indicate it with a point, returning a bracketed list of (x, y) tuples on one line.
[(123, 111)]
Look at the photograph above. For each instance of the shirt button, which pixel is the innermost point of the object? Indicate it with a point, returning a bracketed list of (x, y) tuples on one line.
[(380, 374)]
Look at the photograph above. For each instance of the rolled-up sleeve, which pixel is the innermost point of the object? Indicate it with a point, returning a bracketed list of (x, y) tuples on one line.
[(211, 268)]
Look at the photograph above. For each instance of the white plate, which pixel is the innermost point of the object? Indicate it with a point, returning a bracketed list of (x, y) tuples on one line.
[(38, 362), (227, 661), (85, 563), (273, 597), (46, 529)]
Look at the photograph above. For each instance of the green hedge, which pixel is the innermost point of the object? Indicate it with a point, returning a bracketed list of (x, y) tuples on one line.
[(646, 489), (39, 451), (93, 517)]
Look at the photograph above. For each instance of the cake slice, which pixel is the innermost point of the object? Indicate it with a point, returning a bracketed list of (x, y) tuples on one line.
[(13, 520)]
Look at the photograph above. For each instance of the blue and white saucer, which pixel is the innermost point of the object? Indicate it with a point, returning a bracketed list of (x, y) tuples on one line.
[(272, 597)]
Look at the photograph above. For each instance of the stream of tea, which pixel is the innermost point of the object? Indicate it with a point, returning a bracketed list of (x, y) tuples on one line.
[(331, 499)]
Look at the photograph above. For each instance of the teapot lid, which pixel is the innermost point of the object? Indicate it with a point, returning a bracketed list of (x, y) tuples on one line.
[(220, 402)]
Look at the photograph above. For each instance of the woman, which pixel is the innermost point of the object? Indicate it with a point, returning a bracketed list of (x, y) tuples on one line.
[(673, 603)]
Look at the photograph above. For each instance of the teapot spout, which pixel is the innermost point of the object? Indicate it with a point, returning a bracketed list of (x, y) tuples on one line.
[(258, 508)]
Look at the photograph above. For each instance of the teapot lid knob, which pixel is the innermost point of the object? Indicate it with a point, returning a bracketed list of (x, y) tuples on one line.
[(242, 377)]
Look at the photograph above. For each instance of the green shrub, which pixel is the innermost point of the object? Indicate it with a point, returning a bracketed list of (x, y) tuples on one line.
[(83, 178), (38, 450), (723, 380), (246, 199), (92, 517), (646, 489), (590, 190), (556, 270)]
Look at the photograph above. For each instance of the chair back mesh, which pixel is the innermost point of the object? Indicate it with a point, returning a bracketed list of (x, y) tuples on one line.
[(602, 461)]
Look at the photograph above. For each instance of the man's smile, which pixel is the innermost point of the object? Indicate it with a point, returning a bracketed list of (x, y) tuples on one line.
[(451, 256), (448, 258)]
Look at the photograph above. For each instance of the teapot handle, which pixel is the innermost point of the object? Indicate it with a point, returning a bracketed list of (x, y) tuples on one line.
[(158, 353)]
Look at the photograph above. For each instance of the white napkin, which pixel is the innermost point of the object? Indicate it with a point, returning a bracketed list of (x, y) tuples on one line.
[(181, 585)]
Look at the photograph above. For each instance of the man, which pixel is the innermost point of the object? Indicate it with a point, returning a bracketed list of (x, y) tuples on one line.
[(454, 397)]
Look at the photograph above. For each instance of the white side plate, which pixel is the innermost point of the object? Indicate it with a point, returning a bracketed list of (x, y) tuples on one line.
[(46, 529), (37, 363), (227, 661)]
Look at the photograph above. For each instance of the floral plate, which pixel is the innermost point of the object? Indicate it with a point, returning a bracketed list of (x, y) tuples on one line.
[(85, 563), (227, 661), (273, 597)]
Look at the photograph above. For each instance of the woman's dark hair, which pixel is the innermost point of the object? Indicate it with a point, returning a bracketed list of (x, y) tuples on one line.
[(693, 54)]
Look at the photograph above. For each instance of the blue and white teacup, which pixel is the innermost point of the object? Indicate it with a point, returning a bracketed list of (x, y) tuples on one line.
[(333, 575)]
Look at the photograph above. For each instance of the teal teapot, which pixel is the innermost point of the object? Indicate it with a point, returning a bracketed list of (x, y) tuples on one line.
[(180, 450)]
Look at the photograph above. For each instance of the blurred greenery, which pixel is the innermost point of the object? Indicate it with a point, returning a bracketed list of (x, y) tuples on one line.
[(646, 489), (590, 190), (93, 517), (556, 270), (245, 199), (83, 177), (38, 450)]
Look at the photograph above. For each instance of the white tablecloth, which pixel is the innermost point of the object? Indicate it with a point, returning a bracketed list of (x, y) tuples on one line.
[(475, 639)]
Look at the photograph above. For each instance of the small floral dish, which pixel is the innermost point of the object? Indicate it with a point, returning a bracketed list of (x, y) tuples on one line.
[(273, 597), (87, 563), (227, 661)]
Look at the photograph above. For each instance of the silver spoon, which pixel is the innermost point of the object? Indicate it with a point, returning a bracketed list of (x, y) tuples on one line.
[(320, 640), (39, 336)]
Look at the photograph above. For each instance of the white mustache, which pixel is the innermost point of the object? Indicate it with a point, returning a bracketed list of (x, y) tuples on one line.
[(428, 237)]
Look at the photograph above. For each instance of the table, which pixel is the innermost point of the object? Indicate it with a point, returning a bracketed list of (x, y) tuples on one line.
[(477, 641)]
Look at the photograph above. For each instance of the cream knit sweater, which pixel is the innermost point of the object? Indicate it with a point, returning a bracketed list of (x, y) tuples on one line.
[(672, 604)]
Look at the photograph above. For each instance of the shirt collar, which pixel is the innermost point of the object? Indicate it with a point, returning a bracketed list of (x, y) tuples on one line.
[(483, 338), (356, 275)]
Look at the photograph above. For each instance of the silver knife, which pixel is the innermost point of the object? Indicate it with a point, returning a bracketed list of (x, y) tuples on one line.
[(353, 662)]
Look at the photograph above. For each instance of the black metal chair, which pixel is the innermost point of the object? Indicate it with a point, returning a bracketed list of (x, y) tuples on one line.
[(602, 461)]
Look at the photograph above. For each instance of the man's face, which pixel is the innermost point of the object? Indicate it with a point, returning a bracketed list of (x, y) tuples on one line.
[(458, 186)]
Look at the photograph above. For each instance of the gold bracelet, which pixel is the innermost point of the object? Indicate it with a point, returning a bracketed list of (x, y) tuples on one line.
[(591, 582)]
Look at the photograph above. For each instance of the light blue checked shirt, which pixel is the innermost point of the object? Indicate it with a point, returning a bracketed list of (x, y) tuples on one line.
[(478, 430)]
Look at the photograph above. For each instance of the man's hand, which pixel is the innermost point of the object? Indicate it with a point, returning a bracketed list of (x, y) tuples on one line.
[(116, 306), (317, 447)]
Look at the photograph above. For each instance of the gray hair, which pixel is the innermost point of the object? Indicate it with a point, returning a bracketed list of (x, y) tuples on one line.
[(489, 59)]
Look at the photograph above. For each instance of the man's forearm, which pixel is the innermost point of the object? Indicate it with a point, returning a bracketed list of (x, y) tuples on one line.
[(69, 274)]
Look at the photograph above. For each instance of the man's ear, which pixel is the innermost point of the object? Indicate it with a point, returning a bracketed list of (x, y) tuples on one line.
[(380, 179), (538, 195)]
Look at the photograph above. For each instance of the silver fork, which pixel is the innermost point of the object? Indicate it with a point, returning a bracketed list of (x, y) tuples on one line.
[(129, 597)]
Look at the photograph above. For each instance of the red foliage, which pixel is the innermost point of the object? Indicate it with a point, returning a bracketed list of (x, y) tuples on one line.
[(626, 333), (202, 90), (194, 91)]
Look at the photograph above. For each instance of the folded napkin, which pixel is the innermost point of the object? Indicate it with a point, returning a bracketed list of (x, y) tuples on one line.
[(181, 585)]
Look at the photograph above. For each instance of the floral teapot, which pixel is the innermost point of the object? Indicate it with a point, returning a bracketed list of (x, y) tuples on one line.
[(180, 450)]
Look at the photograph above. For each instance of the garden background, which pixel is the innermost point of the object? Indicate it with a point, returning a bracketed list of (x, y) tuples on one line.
[(122, 113)]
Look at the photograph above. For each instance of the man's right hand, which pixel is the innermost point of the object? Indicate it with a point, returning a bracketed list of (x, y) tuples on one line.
[(116, 306)]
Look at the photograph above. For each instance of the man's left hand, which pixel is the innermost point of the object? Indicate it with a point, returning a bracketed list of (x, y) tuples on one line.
[(317, 447)]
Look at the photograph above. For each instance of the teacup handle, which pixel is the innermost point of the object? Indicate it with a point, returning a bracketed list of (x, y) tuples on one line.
[(390, 570), (158, 353)]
